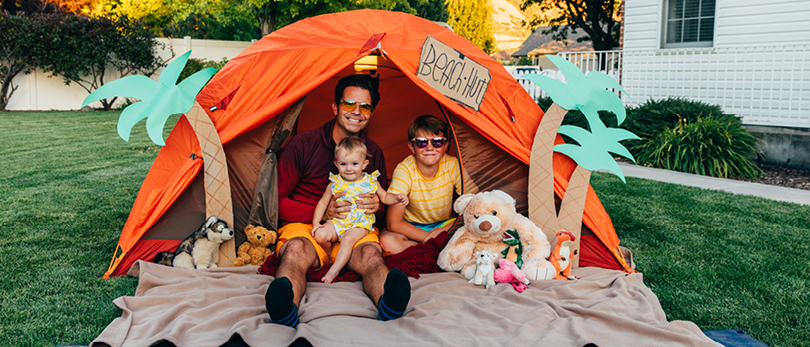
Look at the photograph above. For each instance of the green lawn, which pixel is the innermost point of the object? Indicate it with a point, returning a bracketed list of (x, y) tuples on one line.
[(67, 182)]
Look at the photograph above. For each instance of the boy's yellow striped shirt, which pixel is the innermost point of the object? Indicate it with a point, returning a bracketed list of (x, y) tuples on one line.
[(431, 199)]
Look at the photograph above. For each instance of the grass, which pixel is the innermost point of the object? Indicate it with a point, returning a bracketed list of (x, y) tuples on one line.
[(67, 183)]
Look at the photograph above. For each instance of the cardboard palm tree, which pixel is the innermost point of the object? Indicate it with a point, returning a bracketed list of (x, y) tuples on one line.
[(158, 101), (589, 95)]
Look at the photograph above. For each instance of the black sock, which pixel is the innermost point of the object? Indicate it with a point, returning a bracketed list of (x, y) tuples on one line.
[(279, 302), (397, 293)]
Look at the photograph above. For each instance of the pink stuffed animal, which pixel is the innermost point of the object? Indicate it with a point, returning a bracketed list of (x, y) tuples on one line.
[(508, 272)]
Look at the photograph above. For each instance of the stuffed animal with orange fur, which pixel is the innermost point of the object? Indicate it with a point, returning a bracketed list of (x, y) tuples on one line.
[(562, 254), (489, 219), (254, 251)]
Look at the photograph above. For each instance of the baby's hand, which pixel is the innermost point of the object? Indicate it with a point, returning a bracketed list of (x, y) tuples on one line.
[(403, 199), (315, 227)]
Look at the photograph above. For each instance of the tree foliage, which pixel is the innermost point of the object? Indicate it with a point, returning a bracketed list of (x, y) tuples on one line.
[(599, 19), (428, 9), (472, 19), (18, 51), (151, 13), (96, 44)]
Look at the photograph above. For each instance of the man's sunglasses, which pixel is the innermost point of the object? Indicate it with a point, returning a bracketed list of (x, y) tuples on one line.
[(421, 142), (349, 105)]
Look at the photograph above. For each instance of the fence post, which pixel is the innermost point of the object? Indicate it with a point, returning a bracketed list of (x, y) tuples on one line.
[(187, 43)]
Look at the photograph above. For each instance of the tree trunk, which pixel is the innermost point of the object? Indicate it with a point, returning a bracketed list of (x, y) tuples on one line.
[(8, 83), (542, 210), (573, 207)]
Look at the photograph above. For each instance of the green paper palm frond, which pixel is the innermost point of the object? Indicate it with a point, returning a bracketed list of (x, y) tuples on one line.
[(158, 100), (589, 95)]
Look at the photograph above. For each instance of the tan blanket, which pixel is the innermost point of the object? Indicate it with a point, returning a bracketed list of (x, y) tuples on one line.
[(206, 307)]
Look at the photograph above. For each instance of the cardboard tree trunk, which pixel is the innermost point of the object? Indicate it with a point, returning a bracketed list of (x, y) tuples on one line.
[(217, 184), (573, 206), (541, 172)]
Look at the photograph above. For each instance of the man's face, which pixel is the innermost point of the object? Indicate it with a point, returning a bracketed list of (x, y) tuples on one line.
[(353, 121)]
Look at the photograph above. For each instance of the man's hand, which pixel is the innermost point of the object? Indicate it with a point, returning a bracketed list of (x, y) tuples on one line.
[(369, 202), (337, 209)]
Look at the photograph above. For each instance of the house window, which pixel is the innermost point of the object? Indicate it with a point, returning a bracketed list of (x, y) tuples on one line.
[(689, 23)]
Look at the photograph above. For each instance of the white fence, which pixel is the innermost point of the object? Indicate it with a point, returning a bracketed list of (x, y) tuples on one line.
[(36, 91), (767, 86)]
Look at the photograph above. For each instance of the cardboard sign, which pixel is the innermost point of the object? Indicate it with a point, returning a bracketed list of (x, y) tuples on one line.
[(453, 74)]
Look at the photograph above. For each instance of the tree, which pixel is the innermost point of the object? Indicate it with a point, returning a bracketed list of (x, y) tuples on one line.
[(472, 19), (428, 9), (597, 18), (153, 14), (274, 14), (96, 44), (18, 51)]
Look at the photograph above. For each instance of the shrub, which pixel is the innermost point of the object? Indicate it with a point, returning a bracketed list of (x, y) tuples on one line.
[(193, 65), (712, 146), (648, 119)]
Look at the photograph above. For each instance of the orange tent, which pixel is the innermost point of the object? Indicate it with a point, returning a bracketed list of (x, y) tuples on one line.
[(306, 59)]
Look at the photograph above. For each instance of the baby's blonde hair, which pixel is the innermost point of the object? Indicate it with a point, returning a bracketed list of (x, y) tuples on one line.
[(351, 144)]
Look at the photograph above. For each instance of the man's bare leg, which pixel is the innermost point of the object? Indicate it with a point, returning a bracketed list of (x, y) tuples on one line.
[(389, 290), (285, 292)]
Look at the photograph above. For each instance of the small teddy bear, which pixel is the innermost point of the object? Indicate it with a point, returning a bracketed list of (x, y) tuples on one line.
[(254, 251), (488, 217), (485, 269)]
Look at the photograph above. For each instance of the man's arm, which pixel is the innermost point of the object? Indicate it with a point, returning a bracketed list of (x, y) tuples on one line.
[(290, 210)]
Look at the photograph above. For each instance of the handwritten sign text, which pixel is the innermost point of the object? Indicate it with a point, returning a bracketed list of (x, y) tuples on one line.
[(453, 74)]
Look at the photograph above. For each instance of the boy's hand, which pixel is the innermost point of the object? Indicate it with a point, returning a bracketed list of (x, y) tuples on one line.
[(403, 199), (435, 232), (337, 209), (370, 202)]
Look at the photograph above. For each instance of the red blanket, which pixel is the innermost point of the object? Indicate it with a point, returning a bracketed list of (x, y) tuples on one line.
[(416, 260)]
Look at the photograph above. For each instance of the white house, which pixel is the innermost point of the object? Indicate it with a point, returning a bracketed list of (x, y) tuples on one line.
[(751, 57)]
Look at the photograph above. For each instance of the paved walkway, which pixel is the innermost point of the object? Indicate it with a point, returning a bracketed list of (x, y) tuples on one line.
[(798, 196)]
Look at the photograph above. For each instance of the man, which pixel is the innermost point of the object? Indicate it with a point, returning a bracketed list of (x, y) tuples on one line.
[(303, 168)]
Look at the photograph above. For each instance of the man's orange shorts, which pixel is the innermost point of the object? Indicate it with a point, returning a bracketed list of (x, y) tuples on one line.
[(294, 230)]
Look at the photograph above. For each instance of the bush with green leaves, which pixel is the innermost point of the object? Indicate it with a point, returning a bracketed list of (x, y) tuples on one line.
[(194, 64), (710, 146), (682, 135), (653, 116)]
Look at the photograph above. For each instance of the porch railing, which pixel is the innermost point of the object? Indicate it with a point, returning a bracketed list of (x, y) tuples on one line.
[(766, 85)]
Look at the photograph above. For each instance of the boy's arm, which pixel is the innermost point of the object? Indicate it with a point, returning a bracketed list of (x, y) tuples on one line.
[(320, 208), (397, 224)]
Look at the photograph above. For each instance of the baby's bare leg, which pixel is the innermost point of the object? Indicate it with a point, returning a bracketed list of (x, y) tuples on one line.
[(325, 236), (350, 237)]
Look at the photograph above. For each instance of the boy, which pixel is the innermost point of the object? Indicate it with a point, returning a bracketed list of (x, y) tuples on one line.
[(428, 177)]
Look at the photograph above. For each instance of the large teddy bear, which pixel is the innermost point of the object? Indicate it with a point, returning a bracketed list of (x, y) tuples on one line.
[(487, 218)]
